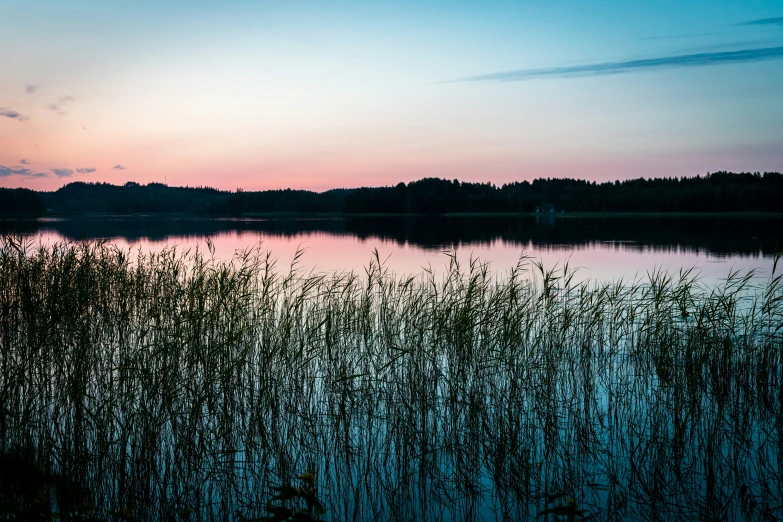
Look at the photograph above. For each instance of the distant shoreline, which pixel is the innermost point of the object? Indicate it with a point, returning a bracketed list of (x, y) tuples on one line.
[(348, 215), (719, 193), (344, 215)]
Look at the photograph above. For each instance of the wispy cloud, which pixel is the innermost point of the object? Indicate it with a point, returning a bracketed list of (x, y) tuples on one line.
[(676, 36), (8, 113), (764, 21), (118, 167), (58, 105), (594, 69), (62, 173), (24, 162), (19, 171), (30, 89), (87, 170)]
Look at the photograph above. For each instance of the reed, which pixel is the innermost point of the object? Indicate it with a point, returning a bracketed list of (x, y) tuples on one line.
[(178, 386)]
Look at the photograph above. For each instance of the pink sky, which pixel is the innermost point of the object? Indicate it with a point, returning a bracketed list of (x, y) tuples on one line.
[(258, 96)]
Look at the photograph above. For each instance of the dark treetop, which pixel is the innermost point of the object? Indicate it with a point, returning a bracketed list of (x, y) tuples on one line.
[(717, 192)]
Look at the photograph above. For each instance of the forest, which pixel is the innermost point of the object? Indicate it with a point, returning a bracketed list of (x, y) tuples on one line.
[(21, 201), (716, 192)]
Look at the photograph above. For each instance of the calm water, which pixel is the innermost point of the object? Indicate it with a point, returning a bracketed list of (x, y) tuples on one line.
[(602, 248), (428, 404)]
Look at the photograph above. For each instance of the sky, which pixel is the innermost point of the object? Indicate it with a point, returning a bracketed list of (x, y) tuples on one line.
[(316, 95)]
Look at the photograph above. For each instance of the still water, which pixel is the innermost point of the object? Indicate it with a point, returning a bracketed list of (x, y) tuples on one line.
[(464, 399), (601, 248)]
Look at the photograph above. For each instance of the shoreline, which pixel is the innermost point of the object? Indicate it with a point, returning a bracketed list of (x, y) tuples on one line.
[(345, 215)]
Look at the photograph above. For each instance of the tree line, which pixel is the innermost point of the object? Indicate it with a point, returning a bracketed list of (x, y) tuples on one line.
[(21, 201), (716, 192)]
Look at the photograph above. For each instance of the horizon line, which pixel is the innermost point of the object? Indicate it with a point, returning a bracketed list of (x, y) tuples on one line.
[(131, 183)]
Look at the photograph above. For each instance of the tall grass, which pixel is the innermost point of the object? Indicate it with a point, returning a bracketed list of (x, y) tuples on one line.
[(175, 385)]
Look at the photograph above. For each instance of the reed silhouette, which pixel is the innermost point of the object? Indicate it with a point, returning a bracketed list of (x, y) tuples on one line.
[(176, 386)]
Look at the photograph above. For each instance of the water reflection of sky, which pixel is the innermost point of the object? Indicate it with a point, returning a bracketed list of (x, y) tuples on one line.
[(475, 434), (599, 260)]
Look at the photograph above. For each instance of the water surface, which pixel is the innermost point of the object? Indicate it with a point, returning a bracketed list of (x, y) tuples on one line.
[(601, 247), (166, 384)]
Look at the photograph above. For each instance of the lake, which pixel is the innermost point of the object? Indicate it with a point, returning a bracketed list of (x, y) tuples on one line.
[(182, 388), (603, 248)]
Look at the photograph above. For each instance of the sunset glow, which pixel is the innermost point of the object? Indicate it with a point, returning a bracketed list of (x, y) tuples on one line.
[(314, 95)]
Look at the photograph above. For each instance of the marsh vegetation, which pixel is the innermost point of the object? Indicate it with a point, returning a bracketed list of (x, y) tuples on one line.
[(173, 385)]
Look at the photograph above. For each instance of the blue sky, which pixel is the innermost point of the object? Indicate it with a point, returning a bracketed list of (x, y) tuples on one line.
[(320, 95)]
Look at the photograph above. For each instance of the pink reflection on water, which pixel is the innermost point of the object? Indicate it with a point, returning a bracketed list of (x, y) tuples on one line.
[(325, 252)]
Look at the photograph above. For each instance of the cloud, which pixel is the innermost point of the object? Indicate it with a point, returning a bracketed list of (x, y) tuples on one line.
[(8, 113), (118, 167), (19, 171), (764, 21), (88, 170), (58, 105), (24, 162), (676, 36), (594, 69), (30, 89), (56, 108), (62, 173)]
